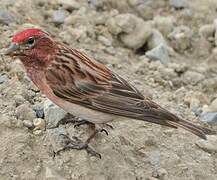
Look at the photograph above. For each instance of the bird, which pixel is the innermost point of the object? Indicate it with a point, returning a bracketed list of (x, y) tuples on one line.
[(86, 88)]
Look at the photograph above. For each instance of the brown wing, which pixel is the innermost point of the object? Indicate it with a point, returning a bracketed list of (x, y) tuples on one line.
[(75, 78)]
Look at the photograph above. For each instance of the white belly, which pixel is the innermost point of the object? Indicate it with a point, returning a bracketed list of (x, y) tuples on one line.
[(93, 116)]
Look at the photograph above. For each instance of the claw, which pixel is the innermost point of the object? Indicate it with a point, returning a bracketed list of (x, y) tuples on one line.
[(105, 131)]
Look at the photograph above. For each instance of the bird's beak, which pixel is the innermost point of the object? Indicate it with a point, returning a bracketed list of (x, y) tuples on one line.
[(11, 49)]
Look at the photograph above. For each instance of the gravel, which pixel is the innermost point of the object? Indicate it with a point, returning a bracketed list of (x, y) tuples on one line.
[(180, 75)]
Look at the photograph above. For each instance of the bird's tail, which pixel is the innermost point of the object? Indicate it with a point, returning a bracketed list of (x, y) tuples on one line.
[(164, 117), (195, 129)]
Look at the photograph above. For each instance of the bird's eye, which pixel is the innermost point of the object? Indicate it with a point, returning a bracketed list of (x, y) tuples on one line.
[(31, 41)]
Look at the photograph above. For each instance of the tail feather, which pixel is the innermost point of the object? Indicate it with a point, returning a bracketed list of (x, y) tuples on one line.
[(195, 129), (164, 117)]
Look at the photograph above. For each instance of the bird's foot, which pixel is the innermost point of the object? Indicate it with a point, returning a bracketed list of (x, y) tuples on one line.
[(76, 143)]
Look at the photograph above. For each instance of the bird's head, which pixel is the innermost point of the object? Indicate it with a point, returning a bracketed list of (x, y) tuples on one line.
[(32, 46)]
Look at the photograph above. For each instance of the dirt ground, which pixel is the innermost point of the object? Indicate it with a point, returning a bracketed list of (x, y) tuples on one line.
[(183, 81)]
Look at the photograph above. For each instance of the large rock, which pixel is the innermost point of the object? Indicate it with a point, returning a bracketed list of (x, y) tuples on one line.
[(133, 31)]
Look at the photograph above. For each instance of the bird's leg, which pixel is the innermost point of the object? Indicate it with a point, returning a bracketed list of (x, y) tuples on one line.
[(76, 143), (82, 122)]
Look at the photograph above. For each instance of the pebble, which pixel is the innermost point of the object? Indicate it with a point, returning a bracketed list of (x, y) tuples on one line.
[(145, 10), (28, 124), (155, 39), (213, 105), (38, 108), (105, 41), (207, 30), (192, 77), (59, 17), (209, 117), (210, 145), (3, 78), (161, 174), (164, 24), (19, 99), (53, 114), (159, 53), (69, 4), (179, 4), (6, 17), (181, 38), (24, 112), (39, 124), (37, 132)]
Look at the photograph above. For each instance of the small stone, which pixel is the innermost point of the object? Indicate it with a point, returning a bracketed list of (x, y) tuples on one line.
[(39, 124), (37, 132), (213, 105), (79, 33), (145, 10), (38, 108), (195, 105), (59, 17), (105, 41), (207, 30), (155, 39), (195, 95), (161, 174), (210, 145), (179, 4), (19, 99), (191, 77), (3, 78), (164, 24), (28, 124), (181, 38), (159, 53), (206, 108), (24, 112), (6, 17), (73, 19), (69, 4), (121, 23), (209, 117), (53, 114)]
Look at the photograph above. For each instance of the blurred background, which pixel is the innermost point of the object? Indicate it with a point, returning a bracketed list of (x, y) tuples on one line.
[(166, 48)]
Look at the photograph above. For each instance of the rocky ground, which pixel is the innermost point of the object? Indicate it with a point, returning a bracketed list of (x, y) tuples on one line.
[(166, 48)]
